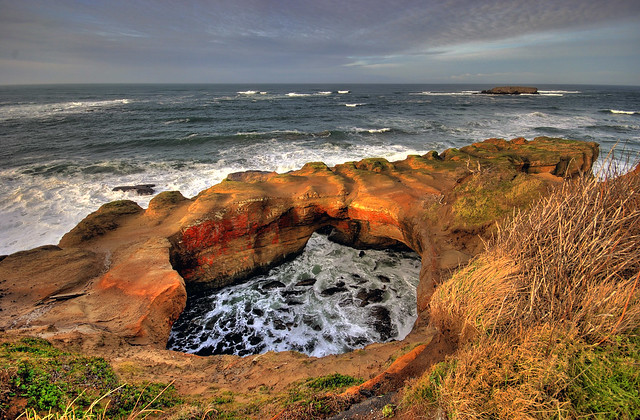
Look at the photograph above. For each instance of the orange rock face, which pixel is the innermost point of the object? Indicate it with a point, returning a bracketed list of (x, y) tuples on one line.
[(142, 262)]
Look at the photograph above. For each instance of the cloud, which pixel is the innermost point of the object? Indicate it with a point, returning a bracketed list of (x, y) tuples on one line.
[(283, 34)]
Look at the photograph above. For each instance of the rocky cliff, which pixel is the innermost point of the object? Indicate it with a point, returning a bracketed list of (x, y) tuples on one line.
[(124, 271)]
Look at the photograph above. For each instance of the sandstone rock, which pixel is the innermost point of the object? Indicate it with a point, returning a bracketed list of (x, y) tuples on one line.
[(108, 217), (134, 266)]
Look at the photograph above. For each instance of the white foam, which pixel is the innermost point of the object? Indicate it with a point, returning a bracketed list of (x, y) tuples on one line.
[(303, 318), (296, 95), (559, 91), (266, 133), (372, 130), (461, 93), (342, 92), (617, 111), (177, 121), (247, 92), (354, 105), (27, 111)]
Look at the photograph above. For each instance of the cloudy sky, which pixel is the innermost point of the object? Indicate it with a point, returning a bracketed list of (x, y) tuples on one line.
[(325, 41)]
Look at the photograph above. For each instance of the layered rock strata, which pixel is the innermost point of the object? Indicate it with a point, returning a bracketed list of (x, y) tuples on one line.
[(124, 271)]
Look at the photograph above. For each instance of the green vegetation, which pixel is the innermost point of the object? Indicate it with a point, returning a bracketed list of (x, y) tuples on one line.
[(60, 382), (487, 197), (332, 382), (547, 318)]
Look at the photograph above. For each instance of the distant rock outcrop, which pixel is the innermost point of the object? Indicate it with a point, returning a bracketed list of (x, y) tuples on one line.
[(511, 90)]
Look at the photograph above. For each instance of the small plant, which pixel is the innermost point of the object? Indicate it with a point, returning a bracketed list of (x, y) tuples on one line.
[(70, 386), (333, 381), (388, 410)]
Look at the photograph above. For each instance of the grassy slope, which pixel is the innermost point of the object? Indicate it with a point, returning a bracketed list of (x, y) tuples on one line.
[(548, 319)]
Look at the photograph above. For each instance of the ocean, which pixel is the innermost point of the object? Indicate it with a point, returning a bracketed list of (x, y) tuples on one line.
[(64, 147)]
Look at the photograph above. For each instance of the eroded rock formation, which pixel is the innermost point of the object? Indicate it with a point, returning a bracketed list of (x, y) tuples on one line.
[(124, 271)]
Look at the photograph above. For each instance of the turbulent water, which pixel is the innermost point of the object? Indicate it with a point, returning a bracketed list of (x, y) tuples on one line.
[(63, 148), (329, 300)]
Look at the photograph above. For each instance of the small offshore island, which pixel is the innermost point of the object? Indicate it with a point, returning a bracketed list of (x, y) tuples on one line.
[(511, 90), (488, 298)]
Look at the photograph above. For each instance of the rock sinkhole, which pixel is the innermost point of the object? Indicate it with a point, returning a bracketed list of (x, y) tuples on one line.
[(328, 300)]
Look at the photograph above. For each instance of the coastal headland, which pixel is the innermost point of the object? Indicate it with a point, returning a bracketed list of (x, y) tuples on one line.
[(117, 282)]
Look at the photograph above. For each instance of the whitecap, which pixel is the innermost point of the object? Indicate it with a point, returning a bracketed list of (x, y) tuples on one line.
[(32, 110), (617, 111), (461, 93), (558, 92), (295, 94), (372, 130), (342, 92), (177, 121), (354, 105), (267, 133), (247, 92)]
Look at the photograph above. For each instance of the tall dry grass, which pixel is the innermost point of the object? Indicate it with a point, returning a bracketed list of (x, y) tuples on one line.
[(572, 258), (548, 317)]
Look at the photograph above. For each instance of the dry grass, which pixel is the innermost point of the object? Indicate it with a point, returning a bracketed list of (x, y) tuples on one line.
[(547, 317), (574, 257)]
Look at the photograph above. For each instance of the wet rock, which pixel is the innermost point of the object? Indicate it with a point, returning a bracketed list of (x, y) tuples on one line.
[(257, 312), (307, 282), (381, 321), (288, 293), (368, 297), (311, 322), (332, 291), (142, 189), (384, 279), (361, 254), (293, 302)]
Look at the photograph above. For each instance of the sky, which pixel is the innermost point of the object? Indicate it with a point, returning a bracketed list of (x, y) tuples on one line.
[(320, 41)]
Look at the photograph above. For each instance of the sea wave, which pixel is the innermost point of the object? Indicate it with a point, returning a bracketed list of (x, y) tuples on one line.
[(372, 130), (461, 93), (177, 121), (34, 110), (559, 91), (618, 111), (354, 105)]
